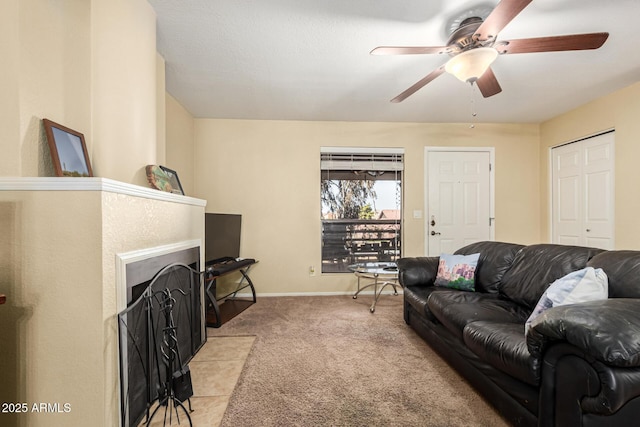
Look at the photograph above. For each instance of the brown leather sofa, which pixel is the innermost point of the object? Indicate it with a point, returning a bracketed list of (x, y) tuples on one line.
[(579, 365)]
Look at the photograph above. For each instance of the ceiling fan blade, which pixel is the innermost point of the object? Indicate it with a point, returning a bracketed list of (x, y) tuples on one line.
[(552, 44), (419, 85), (408, 50), (504, 12), (488, 84)]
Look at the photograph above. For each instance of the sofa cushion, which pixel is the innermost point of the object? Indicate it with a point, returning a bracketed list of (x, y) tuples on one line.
[(503, 345), (623, 270), (495, 259), (535, 267), (455, 309), (457, 271), (417, 297)]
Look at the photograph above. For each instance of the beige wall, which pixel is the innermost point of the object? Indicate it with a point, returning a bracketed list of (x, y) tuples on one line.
[(123, 85), (619, 111), (59, 326), (180, 143), (51, 280), (161, 112), (268, 171), (89, 65), (10, 162), (47, 55)]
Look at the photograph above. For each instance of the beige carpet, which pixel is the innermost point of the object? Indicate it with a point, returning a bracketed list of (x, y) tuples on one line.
[(327, 361)]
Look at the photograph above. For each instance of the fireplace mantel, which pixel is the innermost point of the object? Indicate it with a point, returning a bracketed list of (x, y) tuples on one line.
[(59, 245), (92, 184)]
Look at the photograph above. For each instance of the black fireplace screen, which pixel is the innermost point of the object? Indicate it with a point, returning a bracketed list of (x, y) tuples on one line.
[(140, 329)]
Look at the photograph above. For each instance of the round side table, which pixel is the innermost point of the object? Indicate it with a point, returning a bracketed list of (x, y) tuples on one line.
[(379, 274)]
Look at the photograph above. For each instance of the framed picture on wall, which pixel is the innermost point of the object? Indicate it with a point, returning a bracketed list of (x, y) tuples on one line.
[(68, 150), (173, 180)]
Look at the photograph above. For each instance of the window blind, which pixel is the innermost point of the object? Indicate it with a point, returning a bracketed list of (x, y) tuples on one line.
[(359, 159)]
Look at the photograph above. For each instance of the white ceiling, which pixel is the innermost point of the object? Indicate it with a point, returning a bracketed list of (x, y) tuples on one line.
[(309, 59)]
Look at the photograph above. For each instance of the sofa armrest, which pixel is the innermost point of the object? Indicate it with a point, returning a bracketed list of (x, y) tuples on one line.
[(606, 330), (418, 271)]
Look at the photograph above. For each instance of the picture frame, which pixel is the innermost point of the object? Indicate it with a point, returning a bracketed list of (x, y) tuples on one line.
[(68, 150), (173, 180)]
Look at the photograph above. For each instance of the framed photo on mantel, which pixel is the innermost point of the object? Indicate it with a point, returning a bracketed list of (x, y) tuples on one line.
[(173, 180), (68, 150)]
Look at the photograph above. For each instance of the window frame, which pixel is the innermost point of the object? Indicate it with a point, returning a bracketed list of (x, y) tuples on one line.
[(361, 240)]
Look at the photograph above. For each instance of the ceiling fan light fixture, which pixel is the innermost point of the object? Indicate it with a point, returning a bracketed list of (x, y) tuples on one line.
[(470, 65)]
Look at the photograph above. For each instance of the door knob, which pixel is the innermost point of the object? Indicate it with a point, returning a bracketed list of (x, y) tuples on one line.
[(433, 233), (588, 230)]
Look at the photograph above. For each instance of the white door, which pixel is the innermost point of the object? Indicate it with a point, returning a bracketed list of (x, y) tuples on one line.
[(567, 186), (583, 192), (459, 202)]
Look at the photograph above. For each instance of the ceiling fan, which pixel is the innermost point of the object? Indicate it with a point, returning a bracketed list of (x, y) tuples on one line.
[(474, 46)]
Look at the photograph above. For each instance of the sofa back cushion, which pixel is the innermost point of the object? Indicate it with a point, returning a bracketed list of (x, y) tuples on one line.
[(495, 259), (536, 267), (623, 271)]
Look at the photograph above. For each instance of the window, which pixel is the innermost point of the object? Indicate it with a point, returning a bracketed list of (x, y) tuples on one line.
[(361, 200)]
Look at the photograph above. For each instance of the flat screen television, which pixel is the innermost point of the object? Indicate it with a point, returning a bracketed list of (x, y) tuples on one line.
[(222, 236)]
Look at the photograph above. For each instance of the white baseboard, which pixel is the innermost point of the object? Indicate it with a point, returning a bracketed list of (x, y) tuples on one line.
[(312, 294)]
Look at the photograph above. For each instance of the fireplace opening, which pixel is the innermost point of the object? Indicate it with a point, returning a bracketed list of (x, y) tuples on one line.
[(140, 273)]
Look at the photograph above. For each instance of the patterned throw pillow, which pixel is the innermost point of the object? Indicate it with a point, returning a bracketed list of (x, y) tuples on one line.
[(457, 271), (584, 285)]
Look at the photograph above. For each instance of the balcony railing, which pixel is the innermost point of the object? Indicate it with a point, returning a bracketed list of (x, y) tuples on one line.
[(350, 241)]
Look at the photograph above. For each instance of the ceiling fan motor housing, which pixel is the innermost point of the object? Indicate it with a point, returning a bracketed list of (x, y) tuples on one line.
[(464, 37)]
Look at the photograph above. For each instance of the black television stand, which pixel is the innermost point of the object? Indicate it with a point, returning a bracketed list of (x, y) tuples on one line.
[(221, 309)]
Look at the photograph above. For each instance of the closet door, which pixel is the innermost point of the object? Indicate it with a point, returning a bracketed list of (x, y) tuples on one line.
[(583, 192)]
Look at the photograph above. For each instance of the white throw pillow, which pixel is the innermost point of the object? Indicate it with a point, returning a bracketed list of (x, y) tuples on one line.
[(588, 284)]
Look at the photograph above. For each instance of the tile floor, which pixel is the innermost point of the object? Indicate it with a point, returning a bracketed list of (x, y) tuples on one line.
[(214, 373)]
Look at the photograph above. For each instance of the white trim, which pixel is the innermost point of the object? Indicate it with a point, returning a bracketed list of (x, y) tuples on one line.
[(492, 186), (317, 294), (550, 191), (581, 138), (92, 184), (124, 258)]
